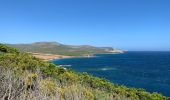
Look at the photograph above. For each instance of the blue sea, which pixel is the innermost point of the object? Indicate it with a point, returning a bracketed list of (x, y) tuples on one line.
[(148, 70)]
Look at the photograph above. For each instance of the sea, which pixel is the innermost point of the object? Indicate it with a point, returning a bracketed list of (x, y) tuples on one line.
[(147, 70)]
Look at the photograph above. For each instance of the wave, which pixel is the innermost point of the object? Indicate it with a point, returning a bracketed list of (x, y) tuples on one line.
[(106, 69)]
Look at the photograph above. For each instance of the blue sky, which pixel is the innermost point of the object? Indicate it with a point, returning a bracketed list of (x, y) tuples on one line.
[(124, 24)]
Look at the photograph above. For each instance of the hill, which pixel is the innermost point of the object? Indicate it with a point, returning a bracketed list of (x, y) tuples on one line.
[(24, 77), (62, 49)]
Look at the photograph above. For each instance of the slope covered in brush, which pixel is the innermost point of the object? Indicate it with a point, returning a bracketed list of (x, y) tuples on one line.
[(24, 77)]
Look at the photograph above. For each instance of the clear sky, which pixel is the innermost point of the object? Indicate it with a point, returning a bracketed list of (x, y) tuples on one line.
[(124, 24)]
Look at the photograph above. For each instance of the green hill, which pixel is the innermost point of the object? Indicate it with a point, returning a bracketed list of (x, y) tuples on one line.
[(24, 77), (61, 49)]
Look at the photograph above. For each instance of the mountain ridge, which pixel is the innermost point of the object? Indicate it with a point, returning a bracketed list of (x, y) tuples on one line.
[(63, 49)]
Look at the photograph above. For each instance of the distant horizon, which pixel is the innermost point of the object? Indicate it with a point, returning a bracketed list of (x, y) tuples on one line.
[(92, 45), (133, 25)]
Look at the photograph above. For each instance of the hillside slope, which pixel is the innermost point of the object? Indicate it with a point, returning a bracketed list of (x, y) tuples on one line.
[(24, 77), (61, 49)]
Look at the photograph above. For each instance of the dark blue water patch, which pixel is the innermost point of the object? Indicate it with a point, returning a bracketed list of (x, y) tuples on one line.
[(148, 70)]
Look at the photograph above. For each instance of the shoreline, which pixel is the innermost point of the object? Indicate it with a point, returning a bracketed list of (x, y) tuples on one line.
[(49, 57)]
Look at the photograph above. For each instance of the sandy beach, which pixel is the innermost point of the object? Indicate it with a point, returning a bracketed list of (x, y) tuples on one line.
[(47, 57)]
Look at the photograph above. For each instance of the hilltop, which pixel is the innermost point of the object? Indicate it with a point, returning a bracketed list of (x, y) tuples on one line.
[(62, 49)]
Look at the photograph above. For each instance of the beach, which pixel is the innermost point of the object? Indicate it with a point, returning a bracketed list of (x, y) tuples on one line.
[(47, 57)]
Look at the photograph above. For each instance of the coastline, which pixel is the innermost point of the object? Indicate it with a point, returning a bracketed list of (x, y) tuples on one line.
[(49, 57)]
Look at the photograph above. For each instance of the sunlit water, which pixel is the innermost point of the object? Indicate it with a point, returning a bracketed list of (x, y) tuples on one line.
[(148, 70)]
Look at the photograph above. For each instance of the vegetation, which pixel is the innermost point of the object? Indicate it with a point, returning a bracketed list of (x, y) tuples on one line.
[(61, 49), (6, 49), (24, 77)]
